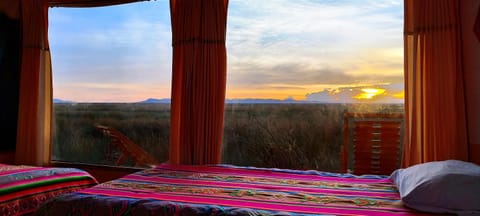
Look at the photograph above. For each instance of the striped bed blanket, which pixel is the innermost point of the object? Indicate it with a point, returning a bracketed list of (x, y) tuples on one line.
[(233, 190), (24, 188)]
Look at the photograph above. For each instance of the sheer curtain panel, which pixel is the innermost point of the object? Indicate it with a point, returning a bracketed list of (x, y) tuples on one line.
[(477, 25), (434, 82), (198, 80), (35, 102)]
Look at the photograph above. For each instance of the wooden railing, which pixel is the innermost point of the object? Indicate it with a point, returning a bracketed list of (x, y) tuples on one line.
[(373, 143), (126, 147)]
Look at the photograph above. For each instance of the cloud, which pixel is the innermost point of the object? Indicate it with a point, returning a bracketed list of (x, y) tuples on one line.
[(271, 43), (109, 92), (128, 44), (302, 74), (359, 94), (298, 46)]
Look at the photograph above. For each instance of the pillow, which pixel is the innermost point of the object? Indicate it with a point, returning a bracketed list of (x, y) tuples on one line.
[(450, 186)]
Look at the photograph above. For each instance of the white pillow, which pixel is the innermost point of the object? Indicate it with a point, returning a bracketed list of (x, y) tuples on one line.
[(450, 186)]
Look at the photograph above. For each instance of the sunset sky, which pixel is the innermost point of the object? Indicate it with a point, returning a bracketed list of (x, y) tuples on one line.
[(317, 50)]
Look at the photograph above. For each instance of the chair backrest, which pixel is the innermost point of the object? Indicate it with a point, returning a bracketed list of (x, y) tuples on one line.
[(373, 143), (127, 147)]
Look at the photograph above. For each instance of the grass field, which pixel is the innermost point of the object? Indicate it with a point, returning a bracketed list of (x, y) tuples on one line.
[(297, 136)]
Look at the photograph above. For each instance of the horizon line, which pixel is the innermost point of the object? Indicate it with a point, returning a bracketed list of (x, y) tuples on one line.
[(232, 101)]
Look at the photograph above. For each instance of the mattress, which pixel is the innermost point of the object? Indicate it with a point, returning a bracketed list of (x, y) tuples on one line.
[(233, 190)]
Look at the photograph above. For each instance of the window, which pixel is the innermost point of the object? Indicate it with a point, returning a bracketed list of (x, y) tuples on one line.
[(295, 68), (108, 64)]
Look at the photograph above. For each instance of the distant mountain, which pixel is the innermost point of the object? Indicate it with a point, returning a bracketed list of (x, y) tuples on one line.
[(263, 101), (246, 101), (228, 101), (233, 101), (56, 100), (154, 100)]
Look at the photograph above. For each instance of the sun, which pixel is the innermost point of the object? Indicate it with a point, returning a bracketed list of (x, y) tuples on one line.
[(369, 93)]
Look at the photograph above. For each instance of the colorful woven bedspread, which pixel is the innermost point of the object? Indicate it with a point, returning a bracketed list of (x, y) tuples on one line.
[(231, 190), (24, 188)]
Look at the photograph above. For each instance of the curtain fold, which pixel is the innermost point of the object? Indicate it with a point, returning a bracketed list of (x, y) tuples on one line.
[(476, 28), (198, 80), (10, 8), (35, 102), (434, 83)]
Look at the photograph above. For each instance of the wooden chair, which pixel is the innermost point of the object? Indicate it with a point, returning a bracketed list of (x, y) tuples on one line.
[(127, 148), (373, 143)]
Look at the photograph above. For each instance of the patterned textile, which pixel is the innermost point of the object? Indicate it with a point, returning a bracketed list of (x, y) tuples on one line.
[(24, 188), (231, 190)]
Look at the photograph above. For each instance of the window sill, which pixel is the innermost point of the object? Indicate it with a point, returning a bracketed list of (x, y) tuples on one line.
[(102, 173)]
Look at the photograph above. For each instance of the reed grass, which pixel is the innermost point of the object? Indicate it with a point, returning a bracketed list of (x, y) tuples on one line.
[(295, 136)]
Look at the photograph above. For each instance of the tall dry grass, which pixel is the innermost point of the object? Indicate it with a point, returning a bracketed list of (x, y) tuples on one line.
[(296, 136), (77, 140)]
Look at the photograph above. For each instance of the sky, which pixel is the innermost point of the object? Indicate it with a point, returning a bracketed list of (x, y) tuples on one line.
[(336, 51)]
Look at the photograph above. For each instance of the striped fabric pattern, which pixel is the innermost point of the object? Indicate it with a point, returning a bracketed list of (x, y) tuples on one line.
[(232, 190), (24, 188)]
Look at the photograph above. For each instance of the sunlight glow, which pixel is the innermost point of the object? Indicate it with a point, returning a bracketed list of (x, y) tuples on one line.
[(399, 95), (369, 93)]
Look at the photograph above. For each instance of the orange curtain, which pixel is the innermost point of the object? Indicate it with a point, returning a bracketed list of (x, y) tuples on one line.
[(477, 25), (35, 102), (10, 8), (198, 80), (434, 82)]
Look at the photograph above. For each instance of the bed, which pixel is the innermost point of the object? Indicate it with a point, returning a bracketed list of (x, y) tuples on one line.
[(233, 190), (24, 188)]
